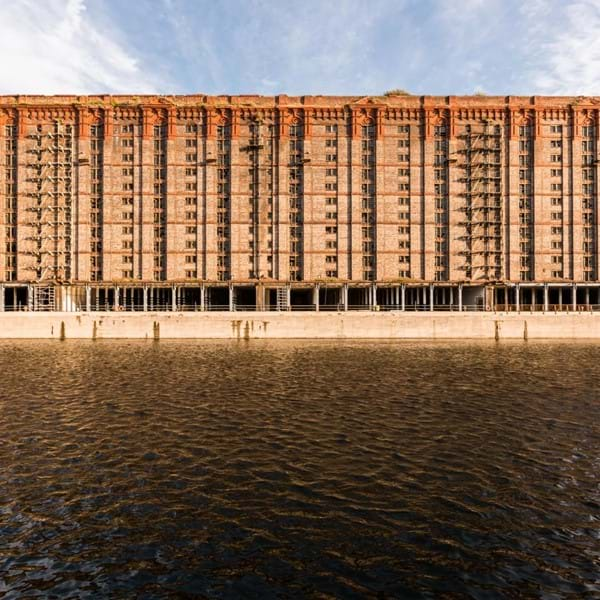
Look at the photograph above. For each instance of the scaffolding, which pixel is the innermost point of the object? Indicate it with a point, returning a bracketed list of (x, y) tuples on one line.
[(42, 297), (254, 147), (50, 166), (479, 157)]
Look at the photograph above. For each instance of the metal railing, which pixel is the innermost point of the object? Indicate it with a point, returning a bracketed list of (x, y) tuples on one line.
[(182, 307)]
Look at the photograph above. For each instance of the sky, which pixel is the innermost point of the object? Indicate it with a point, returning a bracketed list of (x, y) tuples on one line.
[(343, 47)]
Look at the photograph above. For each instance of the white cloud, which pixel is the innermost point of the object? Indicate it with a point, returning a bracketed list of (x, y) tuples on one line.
[(565, 47), (53, 47)]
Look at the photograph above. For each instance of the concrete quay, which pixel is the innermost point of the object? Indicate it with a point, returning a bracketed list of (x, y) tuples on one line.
[(297, 325)]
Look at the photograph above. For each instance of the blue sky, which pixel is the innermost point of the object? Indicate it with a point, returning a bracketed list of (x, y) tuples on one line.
[(300, 47)]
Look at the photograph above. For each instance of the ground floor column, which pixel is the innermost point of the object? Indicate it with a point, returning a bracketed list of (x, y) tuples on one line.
[(545, 297), (1, 297), (574, 298), (88, 298), (345, 296), (116, 299), (560, 297), (231, 303), (518, 297), (316, 297), (431, 298), (145, 298), (202, 297), (460, 297), (403, 297), (587, 298)]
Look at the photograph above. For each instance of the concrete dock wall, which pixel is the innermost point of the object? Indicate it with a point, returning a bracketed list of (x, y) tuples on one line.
[(281, 325)]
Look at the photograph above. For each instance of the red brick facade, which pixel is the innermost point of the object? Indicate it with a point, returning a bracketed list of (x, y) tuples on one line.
[(247, 188)]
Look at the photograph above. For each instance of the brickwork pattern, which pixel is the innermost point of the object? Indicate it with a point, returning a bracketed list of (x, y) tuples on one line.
[(313, 188)]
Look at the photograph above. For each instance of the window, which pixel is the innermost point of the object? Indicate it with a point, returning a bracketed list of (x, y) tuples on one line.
[(330, 128), (555, 172), (403, 128), (127, 157), (331, 172), (555, 128), (555, 158), (556, 201), (331, 186), (126, 244), (191, 143), (191, 201), (556, 144), (127, 142)]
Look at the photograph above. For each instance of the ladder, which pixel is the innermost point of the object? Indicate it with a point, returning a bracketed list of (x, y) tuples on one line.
[(43, 298), (282, 303)]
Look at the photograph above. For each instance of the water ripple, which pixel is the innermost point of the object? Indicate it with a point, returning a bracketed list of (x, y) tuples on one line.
[(299, 469)]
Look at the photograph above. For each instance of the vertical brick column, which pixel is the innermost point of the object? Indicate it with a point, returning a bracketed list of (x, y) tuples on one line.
[(240, 194), (456, 231), (428, 203), (80, 244), (417, 152), (511, 207), (354, 156), (111, 153), (143, 198), (3, 166), (312, 239), (540, 201), (25, 262), (282, 270), (344, 195), (209, 201), (573, 205)]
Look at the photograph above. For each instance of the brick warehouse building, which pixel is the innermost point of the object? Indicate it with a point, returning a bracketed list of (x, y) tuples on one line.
[(311, 202)]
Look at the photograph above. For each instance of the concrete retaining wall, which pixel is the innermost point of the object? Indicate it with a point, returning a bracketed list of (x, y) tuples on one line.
[(274, 325)]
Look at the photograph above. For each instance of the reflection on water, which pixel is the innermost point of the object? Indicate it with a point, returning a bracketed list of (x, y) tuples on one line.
[(299, 469)]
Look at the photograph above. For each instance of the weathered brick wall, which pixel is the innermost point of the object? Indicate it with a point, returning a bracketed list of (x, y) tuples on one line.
[(421, 230)]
